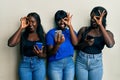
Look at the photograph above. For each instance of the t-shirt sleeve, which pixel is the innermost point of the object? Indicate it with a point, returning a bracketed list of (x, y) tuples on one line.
[(50, 38)]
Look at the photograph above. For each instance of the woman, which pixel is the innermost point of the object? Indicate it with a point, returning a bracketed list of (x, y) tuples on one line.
[(91, 43), (60, 41), (30, 32)]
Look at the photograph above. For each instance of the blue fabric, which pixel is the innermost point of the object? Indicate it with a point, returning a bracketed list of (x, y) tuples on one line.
[(62, 69), (89, 66), (66, 48), (32, 68)]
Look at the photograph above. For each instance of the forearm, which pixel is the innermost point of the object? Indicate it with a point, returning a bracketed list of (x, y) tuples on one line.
[(107, 37), (15, 39), (52, 51), (73, 36)]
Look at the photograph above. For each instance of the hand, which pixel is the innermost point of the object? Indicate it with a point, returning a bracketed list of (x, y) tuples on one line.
[(67, 20), (59, 38), (89, 41), (99, 19), (38, 51), (24, 22)]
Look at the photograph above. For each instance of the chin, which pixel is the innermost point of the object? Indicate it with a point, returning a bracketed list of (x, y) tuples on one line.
[(62, 27), (94, 26)]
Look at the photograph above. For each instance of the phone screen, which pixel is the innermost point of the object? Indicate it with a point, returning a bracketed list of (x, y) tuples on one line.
[(39, 44)]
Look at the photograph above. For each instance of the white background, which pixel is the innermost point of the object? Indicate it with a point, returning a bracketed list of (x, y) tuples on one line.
[(12, 10)]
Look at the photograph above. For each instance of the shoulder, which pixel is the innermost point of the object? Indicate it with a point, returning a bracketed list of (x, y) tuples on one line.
[(51, 31), (109, 32), (82, 30)]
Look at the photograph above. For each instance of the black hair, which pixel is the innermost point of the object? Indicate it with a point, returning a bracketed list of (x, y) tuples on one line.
[(39, 30), (95, 11), (60, 14)]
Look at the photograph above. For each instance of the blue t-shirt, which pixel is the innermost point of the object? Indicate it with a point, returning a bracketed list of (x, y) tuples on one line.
[(66, 48)]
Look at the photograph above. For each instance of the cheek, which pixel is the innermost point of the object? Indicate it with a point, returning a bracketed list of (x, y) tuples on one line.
[(35, 24)]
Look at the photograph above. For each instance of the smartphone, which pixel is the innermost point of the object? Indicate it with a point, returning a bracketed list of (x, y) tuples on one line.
[(58, 32), (89, 37), (39, 44)]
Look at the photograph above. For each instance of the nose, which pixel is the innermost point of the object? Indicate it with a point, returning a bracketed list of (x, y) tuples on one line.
[(30, 23)]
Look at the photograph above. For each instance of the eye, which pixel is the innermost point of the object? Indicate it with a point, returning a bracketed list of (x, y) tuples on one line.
[(65, 19), (98, 17)]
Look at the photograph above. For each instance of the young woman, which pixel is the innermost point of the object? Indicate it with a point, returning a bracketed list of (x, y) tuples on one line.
[(92, 40), (30, 32), (60, 41)]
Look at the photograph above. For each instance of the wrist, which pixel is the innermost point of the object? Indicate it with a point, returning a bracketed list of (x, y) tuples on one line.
[(69, 25), (57, 45)]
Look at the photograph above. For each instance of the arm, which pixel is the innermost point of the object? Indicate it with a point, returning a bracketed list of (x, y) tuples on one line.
[(52, 49), (80, 44), (15, 39), (108, 36), (67, 21)]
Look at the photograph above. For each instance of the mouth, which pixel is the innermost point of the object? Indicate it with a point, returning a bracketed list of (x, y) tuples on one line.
[(31, 28), (62, 25)]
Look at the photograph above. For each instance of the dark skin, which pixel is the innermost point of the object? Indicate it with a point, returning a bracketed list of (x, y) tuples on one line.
[(58, 39), (32, 24), (99, 30)]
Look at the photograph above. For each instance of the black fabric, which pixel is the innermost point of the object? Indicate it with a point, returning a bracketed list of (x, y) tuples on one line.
[(26, 47), (97, 47)]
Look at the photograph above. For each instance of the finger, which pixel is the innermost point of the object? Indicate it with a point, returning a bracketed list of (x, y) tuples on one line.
[(62, 38), (71, 16), (93, 14), (37, 48), (99, 12), (36, 51), (103, 13), (95, 18), (42, 47), (68, 14), (59, 36), (65, 19), (23, 18)]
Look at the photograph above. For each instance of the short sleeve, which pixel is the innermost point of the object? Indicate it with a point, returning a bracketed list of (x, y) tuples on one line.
[(50, 38)]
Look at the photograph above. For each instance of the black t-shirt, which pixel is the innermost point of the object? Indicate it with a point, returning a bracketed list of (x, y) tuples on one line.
[(26, 47), (97, 46)]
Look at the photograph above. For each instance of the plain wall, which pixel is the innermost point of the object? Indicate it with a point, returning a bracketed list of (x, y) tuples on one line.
[(12, 10)]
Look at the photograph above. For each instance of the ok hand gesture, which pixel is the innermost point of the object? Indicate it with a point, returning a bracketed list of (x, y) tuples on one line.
[(67, 20), (24, 22), (99, 19)]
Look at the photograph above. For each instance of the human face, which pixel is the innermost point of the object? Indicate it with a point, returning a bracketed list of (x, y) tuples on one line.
[(32, 24), (61, 24), (93, 22)]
